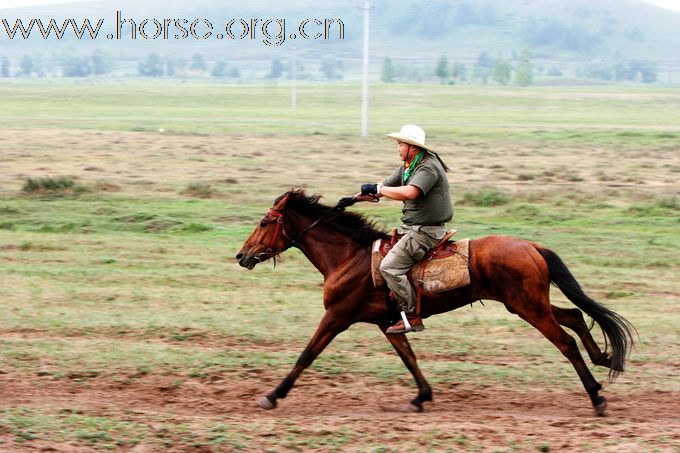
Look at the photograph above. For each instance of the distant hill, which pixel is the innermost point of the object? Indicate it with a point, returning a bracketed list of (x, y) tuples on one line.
[(411, 32), (554, 29)]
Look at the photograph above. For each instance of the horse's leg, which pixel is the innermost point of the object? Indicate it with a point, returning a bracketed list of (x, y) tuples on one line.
[(573, 319), (403, 348), (537, 312), (330, 326)]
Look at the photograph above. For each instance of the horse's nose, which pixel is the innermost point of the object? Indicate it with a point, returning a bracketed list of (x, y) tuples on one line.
[(239, 256)]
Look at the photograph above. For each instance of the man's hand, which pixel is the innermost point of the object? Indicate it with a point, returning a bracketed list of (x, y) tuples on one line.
[(370, 198), (369, 189)]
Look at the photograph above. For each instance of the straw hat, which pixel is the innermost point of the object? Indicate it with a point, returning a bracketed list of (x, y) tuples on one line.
[(413, 135)]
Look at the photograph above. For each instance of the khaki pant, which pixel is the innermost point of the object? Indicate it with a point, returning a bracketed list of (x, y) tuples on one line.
[(410, 249)]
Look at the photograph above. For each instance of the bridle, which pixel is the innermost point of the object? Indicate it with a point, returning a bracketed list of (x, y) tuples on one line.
[(270, 251)]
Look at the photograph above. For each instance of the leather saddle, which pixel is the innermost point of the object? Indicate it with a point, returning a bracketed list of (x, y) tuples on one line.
[(443, 268), (442, 250)]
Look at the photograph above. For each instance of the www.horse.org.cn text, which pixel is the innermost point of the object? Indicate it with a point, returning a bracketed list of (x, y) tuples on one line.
[(268, 31)]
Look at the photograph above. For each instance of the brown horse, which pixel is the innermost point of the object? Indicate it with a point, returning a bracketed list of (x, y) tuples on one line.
[(515, 272)]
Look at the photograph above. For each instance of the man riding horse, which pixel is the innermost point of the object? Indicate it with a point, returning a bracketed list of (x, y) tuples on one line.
[(422, 185), (516, 272)]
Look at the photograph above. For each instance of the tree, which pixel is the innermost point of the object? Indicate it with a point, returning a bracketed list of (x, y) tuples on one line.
[(413, 74), (4, 72), (483, 67), (484, 60), (198, 63), (26, 66), (620, 71), (175, 66), (101, 63), (458, 71), (170, 67), (276, 70), (501, 71), (234, 72), (442, 69), (151, 67), (330, 68), (301, 72), (387, 73), (554, 71), (525, 73), (643, 70), (77, 67), (219, 70)]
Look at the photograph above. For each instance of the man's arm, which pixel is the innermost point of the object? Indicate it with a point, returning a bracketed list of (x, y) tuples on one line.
[(400, 193)]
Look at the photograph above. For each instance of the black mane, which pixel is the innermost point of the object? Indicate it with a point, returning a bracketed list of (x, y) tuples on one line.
[(356, 226)]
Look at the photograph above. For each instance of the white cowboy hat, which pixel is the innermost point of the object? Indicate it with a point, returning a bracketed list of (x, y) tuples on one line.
[(413, 135)]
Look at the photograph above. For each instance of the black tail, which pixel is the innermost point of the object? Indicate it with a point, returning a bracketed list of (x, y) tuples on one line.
[(618, 331)]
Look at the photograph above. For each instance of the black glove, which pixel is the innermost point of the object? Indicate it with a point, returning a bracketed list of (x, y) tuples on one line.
[(346, 202), (369, 189)]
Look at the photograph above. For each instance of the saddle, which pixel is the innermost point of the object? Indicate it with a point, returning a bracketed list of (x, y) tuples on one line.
[(444, 267)]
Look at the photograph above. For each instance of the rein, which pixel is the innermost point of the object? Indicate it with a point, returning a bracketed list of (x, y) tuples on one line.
[(271, 252)]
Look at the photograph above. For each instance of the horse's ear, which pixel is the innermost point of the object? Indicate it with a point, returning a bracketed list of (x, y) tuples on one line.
[(281, 200), (294, 192)]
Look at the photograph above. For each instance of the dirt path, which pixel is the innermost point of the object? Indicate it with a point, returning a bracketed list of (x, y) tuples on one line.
[(463, 417)]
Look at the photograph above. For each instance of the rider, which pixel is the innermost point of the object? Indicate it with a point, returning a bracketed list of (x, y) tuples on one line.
[(422, 185)]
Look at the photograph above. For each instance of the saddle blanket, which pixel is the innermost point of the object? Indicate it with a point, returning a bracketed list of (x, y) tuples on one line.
[(444, 268)]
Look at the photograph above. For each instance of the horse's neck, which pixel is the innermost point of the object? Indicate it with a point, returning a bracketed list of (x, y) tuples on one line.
[(327, 249)]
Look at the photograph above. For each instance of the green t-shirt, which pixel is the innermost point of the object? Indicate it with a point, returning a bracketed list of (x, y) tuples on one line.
[(433, 206)]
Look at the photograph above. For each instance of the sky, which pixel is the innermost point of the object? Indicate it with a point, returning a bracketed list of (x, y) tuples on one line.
[(669, 4)]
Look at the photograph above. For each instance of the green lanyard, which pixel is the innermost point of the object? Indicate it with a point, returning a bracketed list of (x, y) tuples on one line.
[(414, 162)]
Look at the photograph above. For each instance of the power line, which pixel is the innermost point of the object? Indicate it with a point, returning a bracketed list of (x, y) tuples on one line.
[(364, 97)]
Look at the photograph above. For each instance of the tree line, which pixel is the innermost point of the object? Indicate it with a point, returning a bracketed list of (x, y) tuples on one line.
[(519, 70)]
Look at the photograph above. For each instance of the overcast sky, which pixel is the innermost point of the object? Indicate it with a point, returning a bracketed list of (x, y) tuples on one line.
[(670, 4)]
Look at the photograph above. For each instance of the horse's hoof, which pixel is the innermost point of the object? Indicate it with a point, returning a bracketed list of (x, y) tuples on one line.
[(266, 403), (600, 408), (413, 407)]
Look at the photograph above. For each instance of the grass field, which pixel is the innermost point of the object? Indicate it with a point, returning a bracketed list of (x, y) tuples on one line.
[(127, 325)]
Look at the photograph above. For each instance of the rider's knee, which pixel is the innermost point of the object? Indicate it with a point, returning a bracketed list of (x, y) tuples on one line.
[(385, 269)]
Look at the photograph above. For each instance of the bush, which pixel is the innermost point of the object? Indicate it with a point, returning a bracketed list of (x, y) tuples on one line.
[(660, 207), (485, 198), (48, 184), (672, 203), (198, 190)]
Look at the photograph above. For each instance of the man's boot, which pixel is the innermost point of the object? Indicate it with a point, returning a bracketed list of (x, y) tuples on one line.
[(410, 322)]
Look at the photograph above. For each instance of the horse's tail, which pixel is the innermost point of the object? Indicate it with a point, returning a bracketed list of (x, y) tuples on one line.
[(618, 331)]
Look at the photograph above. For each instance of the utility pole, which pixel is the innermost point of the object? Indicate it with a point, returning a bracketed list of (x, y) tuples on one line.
[(364, 98), (293, 76)]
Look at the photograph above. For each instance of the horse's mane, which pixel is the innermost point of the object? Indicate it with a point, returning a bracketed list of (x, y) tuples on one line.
[(356, 226)]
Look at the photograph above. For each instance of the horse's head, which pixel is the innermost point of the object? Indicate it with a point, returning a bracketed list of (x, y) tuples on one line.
[(269, 238)]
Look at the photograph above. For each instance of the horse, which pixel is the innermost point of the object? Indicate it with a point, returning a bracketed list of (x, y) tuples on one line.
[(513, 271)]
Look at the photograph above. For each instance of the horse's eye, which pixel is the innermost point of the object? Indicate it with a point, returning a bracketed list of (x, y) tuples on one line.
[(263, 223)]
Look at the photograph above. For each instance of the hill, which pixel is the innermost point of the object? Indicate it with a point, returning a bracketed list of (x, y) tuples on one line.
[(411, 32)]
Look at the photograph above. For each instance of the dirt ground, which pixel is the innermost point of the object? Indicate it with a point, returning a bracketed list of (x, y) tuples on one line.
[(345, 412), (463, 416)]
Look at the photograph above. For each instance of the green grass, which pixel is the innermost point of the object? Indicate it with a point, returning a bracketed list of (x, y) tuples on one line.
[(138, 286), (145, 285), (628, 117)]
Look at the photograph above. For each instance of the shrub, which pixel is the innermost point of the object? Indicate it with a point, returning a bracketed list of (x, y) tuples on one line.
[(198, 190), (485, 198), (672, 203), (195, 228), (61, 184)]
